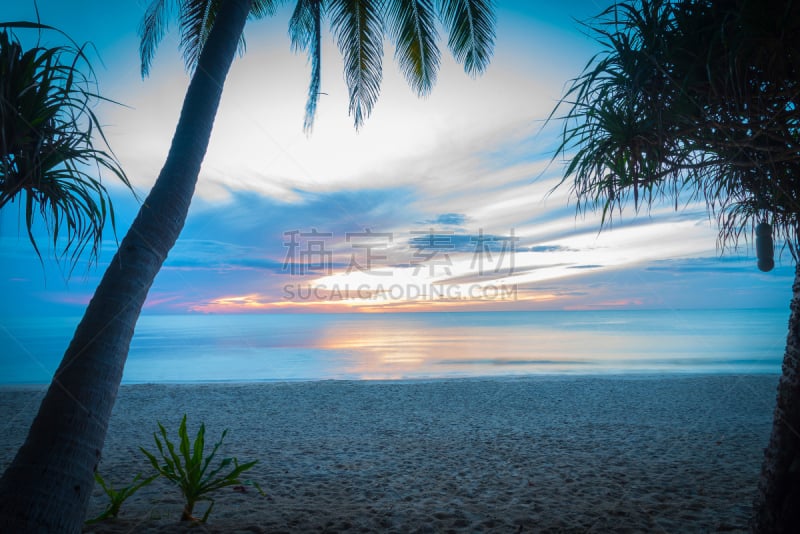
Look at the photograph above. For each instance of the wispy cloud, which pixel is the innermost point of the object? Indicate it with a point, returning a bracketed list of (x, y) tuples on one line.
[(424, 209)]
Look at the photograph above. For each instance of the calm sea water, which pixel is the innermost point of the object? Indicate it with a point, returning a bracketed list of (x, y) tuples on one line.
[(178, 348)]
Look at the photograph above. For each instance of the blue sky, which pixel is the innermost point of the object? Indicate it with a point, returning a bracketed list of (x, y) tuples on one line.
[(456, 189)]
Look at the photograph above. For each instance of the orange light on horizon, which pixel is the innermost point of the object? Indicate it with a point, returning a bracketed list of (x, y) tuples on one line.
[(259, 303)]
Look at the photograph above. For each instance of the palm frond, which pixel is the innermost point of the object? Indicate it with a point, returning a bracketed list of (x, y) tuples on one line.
[(412, 26), (47, 156), (358, 27), (470, 24), (305, 30), (264, 8), (620, 146), (196, 20), (152, 29), (690, 100)]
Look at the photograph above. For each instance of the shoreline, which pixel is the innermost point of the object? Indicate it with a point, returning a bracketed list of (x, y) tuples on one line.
[(670, 453), (629, 375)]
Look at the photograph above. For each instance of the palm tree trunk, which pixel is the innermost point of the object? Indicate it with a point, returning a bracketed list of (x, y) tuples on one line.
[(48, 485), (777, 505)]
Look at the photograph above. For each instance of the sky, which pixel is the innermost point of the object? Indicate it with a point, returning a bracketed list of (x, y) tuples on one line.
[(443, 203)]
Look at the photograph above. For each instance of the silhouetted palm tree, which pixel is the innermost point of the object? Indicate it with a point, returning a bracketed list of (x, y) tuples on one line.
[(701, 99), (48, 158), (48, 485)]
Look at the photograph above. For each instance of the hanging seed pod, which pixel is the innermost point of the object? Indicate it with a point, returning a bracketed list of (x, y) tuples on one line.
[(764, 248)]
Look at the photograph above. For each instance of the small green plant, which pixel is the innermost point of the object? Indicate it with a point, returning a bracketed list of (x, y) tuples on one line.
[(187, 468), (117, 497)]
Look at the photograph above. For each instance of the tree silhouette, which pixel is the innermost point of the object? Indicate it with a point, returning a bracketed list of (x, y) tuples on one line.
[(699, 99), (49, 161), (47, 486)]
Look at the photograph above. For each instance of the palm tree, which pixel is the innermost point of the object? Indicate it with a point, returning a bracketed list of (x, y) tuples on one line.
[(48, 159), (47, 486), (700, 99)]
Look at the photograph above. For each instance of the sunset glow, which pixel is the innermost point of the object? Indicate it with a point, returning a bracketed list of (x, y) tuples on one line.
[(447, 203)]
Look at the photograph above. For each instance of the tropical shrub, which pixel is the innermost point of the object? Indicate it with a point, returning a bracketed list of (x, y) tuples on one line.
[(117, 497), (188, 468), (48, 158)]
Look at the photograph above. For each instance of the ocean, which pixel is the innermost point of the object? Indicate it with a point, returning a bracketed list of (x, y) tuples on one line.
[(285, 347)]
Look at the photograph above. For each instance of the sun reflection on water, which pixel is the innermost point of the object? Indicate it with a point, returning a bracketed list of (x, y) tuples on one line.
[(382, 349)]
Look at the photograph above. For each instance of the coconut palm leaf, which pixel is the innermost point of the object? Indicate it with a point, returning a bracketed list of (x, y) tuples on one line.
[(264, 8), (411, 24), (93, 363), (358, 28), (305, 30), (152, 29), (195, 18), (470, 24)]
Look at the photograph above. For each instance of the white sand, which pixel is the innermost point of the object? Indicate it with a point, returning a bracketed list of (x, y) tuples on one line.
[(578, 454)]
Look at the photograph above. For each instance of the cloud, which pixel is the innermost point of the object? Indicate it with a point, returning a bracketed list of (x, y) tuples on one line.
[(471, 161), (712, 264), (546, 248), (448, 219), (258, 144)]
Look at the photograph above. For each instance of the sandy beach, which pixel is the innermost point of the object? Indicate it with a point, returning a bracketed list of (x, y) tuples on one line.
[(539, 454)]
